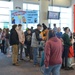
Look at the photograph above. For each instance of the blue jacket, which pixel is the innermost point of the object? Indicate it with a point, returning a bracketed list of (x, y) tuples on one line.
[(59, 34)]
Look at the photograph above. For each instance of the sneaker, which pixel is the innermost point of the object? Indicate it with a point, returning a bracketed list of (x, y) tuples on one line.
[(15, 64), (27, 57), (67, 68), (21, 59), (42, 71), (71, 68), (62, 67), (37, 65), (31, 61)]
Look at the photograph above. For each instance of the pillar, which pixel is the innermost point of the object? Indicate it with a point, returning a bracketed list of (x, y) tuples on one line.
[(18, 4), (43, 11), (73, 15)]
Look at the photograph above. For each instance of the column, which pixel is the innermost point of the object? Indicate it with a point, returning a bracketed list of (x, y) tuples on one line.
[(43, 11), (73, 15), (74, 18), (18, 4)]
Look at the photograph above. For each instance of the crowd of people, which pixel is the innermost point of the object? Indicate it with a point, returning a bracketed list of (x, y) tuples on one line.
[(56, 49)]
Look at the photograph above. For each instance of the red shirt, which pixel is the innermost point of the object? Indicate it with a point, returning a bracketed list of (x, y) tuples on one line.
[(71, 52), (53, 52)]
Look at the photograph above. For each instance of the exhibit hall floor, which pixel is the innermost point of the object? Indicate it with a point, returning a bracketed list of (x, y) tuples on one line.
[(25, 68)]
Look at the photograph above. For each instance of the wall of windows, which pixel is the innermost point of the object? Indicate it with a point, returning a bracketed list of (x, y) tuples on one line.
[(5, 8), (65, 15)]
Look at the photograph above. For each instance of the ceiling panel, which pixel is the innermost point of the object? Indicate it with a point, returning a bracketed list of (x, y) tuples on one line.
[(62, 3)]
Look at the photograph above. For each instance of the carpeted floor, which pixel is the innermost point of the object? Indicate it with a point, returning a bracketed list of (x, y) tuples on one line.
[(25, 68)]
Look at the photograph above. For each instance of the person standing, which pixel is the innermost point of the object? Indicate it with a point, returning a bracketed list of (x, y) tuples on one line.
[(67, 44), (44, 32), (53, 55), (35, 43), (55, 28), (21, 40), (14, 42), (71, 55), (59, 33), (3, 40), (28, 38), (7, 41), (0, 38)]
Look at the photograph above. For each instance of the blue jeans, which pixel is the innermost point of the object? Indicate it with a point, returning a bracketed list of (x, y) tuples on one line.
[(55, 70), (35, 52)]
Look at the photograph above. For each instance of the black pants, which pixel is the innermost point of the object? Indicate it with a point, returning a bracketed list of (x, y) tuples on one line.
[(65, 56), (3, 46), (28, 52)]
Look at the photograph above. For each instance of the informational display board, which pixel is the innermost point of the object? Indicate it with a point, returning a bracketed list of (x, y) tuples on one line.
[(53, 15), (22, 17)]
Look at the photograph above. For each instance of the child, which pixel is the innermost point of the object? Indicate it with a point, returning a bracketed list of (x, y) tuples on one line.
[(70, 56), (28, 38)]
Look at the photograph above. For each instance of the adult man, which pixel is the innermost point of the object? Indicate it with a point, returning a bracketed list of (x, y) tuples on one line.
[(21, 40), (14, 42), (53, 55), (55, 28), (35, 43)]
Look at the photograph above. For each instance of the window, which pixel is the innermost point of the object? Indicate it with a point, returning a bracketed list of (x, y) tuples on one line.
[(53, 8), (33, 7), (11, 5), (57, 24), (56, 9), (6, 24), (65, 17), (55, 21), (66, 10), (64, 21), (4, 11), (1, 25), (24, 6), (4, 18), (4, 4), (5, 8)]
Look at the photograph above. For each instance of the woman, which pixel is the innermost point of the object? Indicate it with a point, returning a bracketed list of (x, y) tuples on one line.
[(7, 41), (67, 44), (3, 40), (44, 33), (14, 41)]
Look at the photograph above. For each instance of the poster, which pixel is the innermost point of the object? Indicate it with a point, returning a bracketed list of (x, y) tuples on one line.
[(32, 16), (24, 17)]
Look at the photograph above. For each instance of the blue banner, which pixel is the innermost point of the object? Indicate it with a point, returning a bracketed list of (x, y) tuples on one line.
[(22, 17)]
